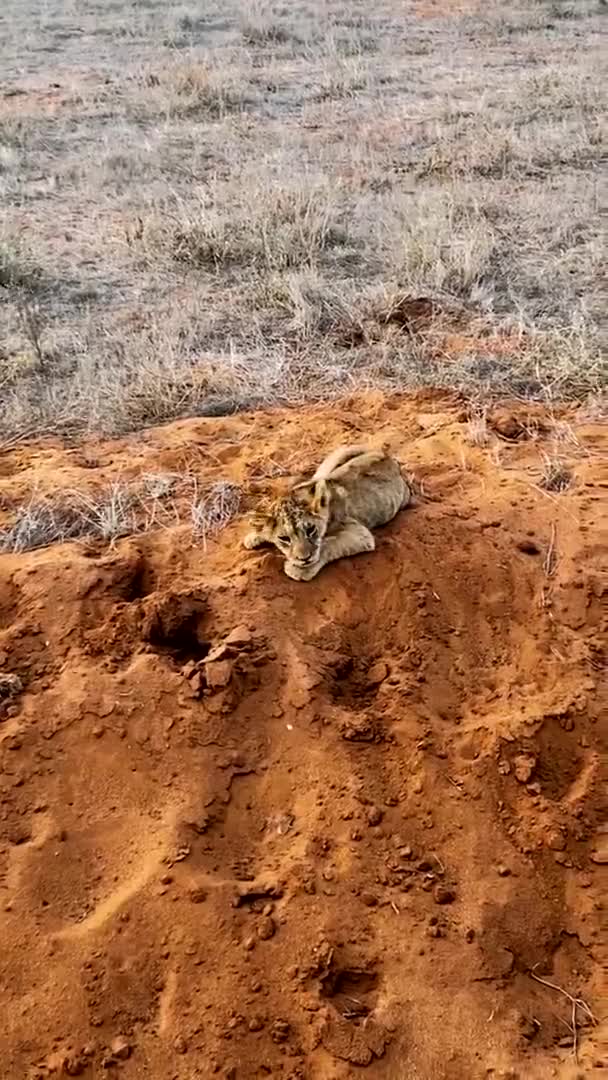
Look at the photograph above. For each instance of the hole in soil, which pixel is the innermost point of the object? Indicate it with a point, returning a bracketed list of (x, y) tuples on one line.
[(175, 626), (349, 990), (349, 683), (140, 584)]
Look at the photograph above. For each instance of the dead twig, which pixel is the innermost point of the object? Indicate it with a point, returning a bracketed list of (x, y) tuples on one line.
[(439, 862), (575, 1002), (550, 562)]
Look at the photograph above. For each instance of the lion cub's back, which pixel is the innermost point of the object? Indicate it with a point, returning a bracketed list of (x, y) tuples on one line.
[(375, 490)]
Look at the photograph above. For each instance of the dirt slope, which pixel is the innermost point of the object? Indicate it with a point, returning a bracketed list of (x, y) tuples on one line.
[(251, 827)]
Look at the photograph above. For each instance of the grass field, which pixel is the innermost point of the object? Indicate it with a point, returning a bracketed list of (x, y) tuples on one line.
[(212, 207)]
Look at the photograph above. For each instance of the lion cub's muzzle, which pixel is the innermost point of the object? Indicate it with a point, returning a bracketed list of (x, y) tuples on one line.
[(303, 553)]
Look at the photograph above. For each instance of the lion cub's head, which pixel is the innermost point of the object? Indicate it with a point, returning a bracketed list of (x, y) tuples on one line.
[(297, 522)]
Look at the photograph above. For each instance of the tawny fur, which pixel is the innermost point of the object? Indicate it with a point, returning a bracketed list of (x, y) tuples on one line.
[(354, 490)]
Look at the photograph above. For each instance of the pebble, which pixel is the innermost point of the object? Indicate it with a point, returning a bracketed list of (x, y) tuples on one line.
[(524, 765), (266, 928), (121, 1048)]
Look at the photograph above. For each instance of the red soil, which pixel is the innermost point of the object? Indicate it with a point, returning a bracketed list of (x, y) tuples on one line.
[(251, 827)]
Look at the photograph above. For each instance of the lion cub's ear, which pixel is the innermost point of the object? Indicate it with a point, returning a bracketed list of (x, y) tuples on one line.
[(314, 494)]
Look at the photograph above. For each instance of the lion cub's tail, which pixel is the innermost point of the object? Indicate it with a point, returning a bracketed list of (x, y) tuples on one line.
[(342, 456)]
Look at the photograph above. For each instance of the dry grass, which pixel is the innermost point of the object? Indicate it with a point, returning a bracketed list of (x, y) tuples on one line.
[(215, 509), (205, 211), (154, 500)]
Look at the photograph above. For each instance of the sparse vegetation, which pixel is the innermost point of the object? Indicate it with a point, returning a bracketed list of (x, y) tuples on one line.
[(215, 509), (265, 181), (120, 510)]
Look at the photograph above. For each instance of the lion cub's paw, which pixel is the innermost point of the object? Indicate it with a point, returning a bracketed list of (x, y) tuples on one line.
[(300, 573), (253, 540)]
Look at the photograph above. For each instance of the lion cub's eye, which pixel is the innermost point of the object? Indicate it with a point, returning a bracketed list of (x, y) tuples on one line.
[(310, 531), (284, 539)]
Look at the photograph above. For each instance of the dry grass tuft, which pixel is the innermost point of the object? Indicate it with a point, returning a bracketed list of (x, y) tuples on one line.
[(555, 476), (191, 89), (216, 210), (69, 516), (215, 509), (39, 523), (154, 500), (262, 226)]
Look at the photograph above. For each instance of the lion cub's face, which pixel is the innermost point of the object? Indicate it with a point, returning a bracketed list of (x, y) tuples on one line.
[(299, 523)]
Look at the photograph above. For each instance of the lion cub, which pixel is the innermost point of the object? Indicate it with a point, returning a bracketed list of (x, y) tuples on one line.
[(330, 516)]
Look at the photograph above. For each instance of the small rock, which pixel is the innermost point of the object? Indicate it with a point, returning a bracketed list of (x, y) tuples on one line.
[(524, 765), (197, 683), (121, 1048), (369, 899), (374, 815), (266, 928), (239, 636), (600, 854), (180, 1045), (377, 673), (279, 1031), (197, 895), (256, 1023), (503, 871), (218, 673), (469, 935), (556, 840), (10, 686), (442, 894)]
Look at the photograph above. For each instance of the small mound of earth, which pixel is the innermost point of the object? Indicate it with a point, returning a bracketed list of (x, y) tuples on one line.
[(251, 827)]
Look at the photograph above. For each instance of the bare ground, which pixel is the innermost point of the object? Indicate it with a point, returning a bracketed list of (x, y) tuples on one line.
[(251, 827)]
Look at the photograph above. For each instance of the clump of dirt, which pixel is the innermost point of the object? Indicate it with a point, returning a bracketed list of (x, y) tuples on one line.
[(252, 827)]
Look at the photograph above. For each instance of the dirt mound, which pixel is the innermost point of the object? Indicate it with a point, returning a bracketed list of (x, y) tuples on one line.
[(250, 827)]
